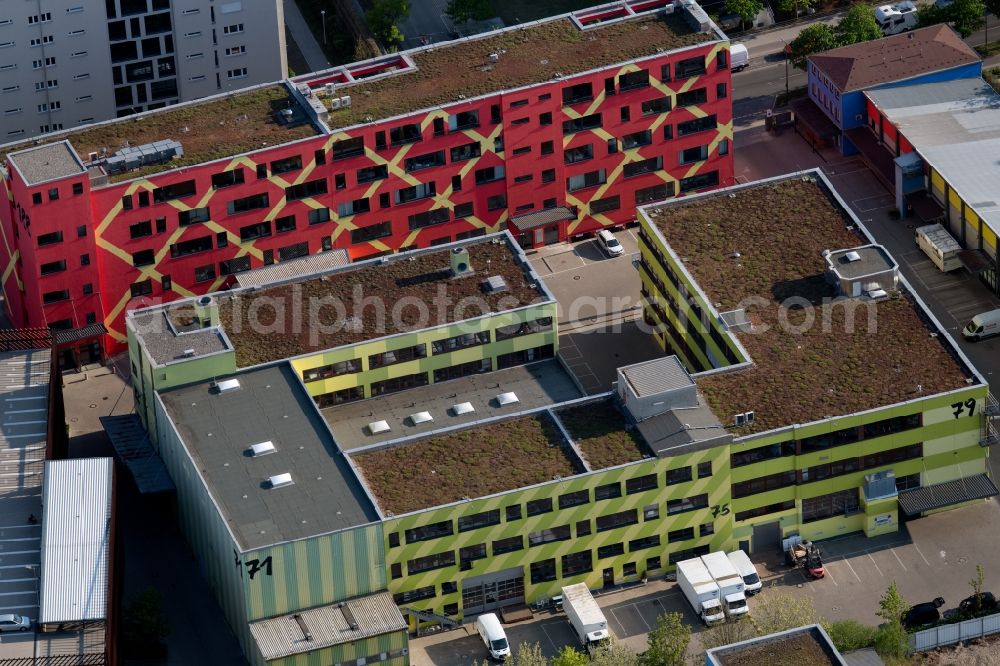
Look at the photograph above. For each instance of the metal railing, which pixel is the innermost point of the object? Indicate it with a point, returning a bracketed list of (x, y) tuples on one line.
[(948, 634)]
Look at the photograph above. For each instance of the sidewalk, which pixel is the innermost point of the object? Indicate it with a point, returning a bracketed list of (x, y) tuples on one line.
[(304, 39)]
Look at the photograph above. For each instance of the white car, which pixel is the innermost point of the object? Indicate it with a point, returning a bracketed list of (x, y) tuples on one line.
[(11, 622), (609, 244)]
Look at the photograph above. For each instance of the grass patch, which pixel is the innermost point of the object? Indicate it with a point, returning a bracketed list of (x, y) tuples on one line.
[(988, 49), (803, 372), (599, 430), (467, 463)]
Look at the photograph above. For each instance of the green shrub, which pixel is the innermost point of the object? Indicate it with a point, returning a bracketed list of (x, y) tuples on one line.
[(850, 635), (891, 640)]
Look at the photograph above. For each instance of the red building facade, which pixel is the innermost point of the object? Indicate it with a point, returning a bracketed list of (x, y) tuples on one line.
[(551, 160)]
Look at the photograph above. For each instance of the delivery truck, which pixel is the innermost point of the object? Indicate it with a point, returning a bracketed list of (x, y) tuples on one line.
[(701, 590), (730, 582), (939, 245), (585, 616)]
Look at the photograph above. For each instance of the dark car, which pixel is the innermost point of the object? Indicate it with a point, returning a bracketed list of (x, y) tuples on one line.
[(985, 602), (921, 614)]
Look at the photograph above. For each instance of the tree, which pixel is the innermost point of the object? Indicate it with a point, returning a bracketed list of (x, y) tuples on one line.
[(795, 6), (812, 39), (747, 10), (930, 15), (891, 640), (966, 16), (144, 623), (993, 6), (529, 655), (858, 25), (892, 605), (850, 635), (383, 17), (667, 642), (461, 11), (779, 611), (977, 587), (570, 656), (726, 634), (614, 653)]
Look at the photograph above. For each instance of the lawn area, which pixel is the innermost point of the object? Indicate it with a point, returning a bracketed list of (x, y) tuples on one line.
[(521, 11), (599, 430), (467, 463)]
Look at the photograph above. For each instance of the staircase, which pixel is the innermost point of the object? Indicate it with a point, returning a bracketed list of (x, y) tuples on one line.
[(989, 432), (419, 616)]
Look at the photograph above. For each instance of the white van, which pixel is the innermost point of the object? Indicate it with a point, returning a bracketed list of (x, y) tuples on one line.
[(739, 57), (983, 325), (741, 562), (493, 636), (609, 244)]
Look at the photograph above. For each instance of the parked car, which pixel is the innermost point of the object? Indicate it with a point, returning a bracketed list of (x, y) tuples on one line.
[(985, 602), (11, 622), (921, 614), (609, 244)]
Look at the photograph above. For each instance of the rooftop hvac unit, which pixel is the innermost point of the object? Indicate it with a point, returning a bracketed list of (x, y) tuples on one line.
[(334, 103), (280, 480), (345, 101), (226, 385), (509, 398), (421, 417), (739, 420), (460, 264), (187, 353), (262, 449), (495, 284), (462, 408), (329, 88)]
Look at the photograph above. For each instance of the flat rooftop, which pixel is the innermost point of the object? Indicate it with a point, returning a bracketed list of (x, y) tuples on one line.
[(853, 263), (209, 130), (598, 428), (955, 127), (780, 229), (535, 385), (218, 429), (166, 343), (47, 162), (414, 279), (805, 645), (475, 462), (533, 53)]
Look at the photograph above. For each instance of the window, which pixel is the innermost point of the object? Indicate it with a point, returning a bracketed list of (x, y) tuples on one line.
[(840, 503), (637, 139), (576, 498), (180, 190), (371, 232), (769, 452), (463, 120), (428, 532), (616, 520), (582, 528), (908, 482), (651, 512), (428, 218), (143, 288), (234, 266), (687, 504), (469, 554), (691, 155), (307, 189), (81, 231), (466, 151), (585, 180), (724, 147), (84, 259), (763, 484), (284, 224), (238, 73), (523, 150), (222, 240), (683, 534), (88, 289), (720, 90), (236, 50), (508, 545), (425, 161), (545, 118), (539, 506), (294, 251), (604, 205), (191, 246), (626, 113), (431, 562), (53, 267), (640, 484), (143, 258), (655, 106), (519, 103), (349, 208), (405, 134), (463, 210), (705, 470), (584, 123), (581, 92), (409, 596), (543, 571), (687, 554), (692, 97), (512, 512), (233, 29), (140, 229), (610, 550), (710, 179), (547, 148), (50, 238), (644, 166), (347, 367), (369, 174), (457, 342), (496, 202), (697, 125), (478, 520), (541, 537), (287, 164), (489, 174), (577, 563), (255, 231), (246, 204), (397, 356), (549, 176), (579, 154), (634, 80), (685, 69), (644, 543), (348, 148), (53, 194), (416, 192)]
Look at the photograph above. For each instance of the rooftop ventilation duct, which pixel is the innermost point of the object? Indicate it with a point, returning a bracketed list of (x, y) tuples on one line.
[(226, 386), (460, 262), (280, 480), (262, 449)]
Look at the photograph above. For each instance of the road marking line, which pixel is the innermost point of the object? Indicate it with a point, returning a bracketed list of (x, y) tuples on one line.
[(646, 624), (921, 555), (549, 639), (875, 563), (897, 559), (829, 572), (852, 569)]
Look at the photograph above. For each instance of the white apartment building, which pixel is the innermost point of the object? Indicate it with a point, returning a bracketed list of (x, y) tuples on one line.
[(72, 62)]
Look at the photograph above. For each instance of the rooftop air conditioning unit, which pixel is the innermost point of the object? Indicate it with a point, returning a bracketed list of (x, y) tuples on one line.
[(334, 103), (226, 385), (262, 449), (740, 420), (329, 88), (280, 480), (749, 417), (345, 101)]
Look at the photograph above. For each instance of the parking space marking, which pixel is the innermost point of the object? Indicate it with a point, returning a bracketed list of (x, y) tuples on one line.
[(874, 564), (921, 555), (829, 574), (852, 569), (897, 559), (545, 631)]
